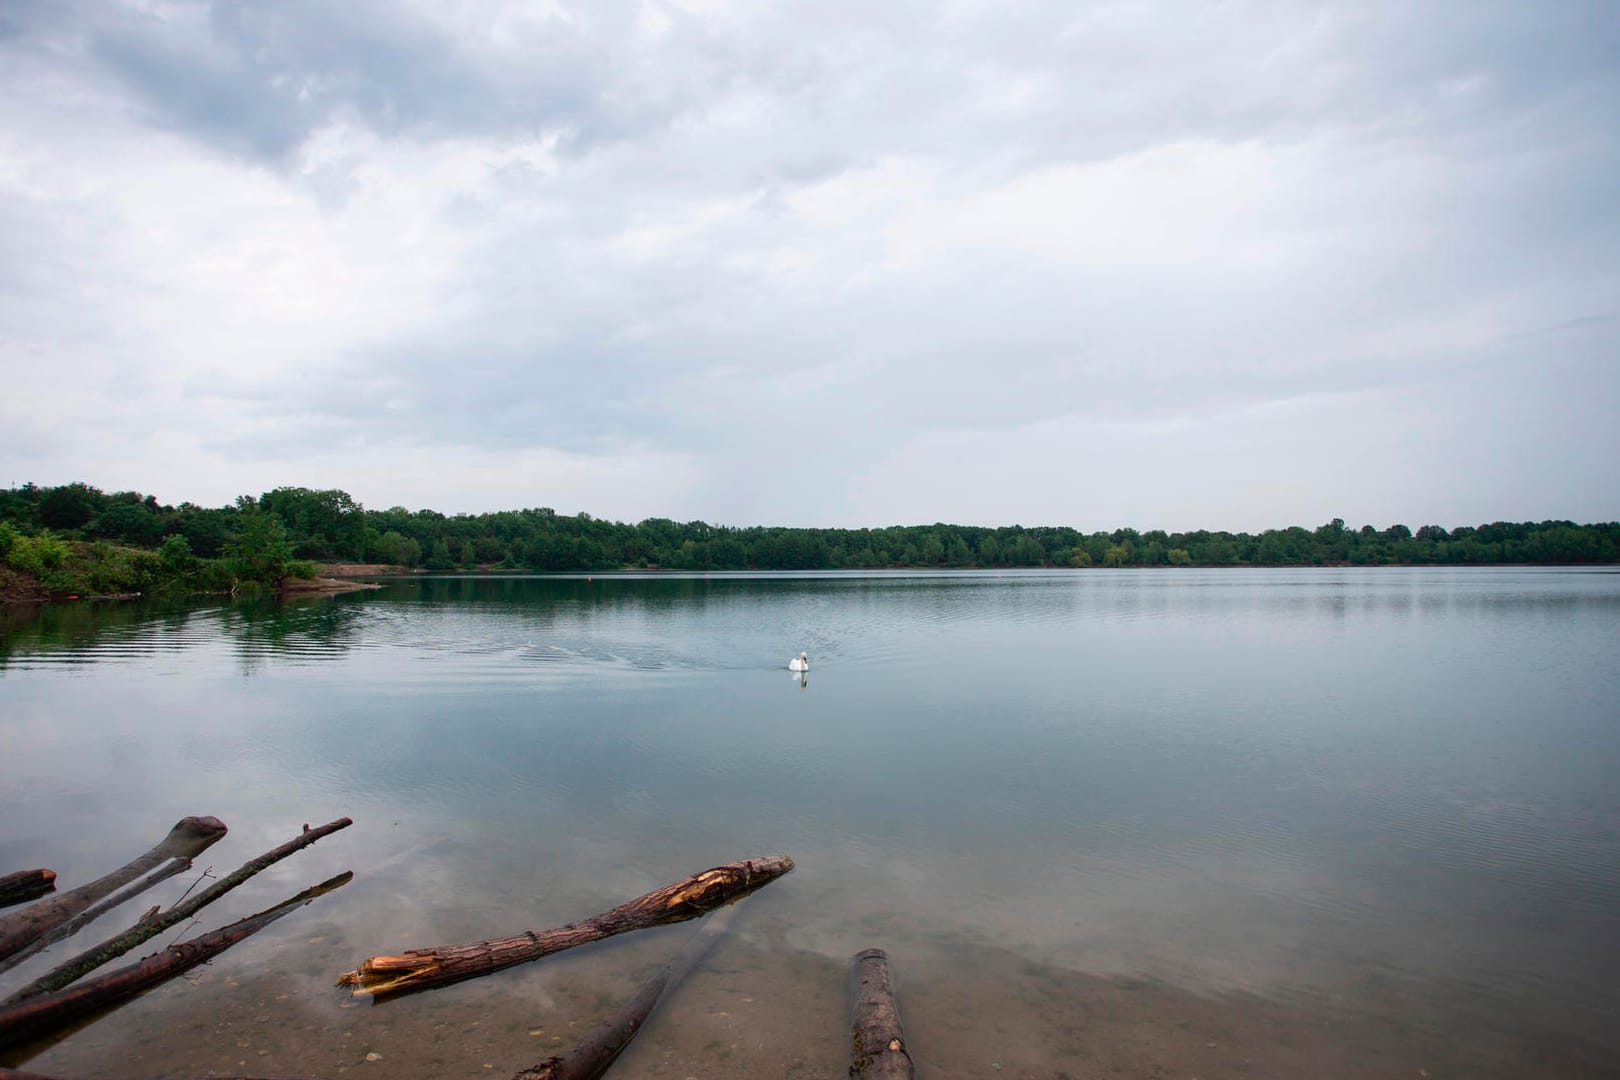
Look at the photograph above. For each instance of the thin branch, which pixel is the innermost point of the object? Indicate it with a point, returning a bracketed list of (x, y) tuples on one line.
[(189, 838), (147, 928)]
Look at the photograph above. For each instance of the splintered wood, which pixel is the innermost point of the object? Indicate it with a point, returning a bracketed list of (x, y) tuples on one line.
[(441, 965)]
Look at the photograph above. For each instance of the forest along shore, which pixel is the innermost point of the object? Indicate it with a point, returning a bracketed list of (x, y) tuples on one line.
[(75, 541)]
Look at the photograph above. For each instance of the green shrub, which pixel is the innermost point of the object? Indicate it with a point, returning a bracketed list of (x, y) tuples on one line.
[(176, 554), (211, 575), (37, 555)]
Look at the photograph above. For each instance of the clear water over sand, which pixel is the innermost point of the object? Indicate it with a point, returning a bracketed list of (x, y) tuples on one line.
[(1361, 822)]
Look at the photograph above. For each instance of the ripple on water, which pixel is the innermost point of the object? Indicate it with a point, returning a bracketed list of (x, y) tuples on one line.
[(1327, 784)]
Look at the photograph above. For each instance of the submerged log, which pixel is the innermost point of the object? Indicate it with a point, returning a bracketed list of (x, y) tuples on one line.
[(25, 885), (591, 1058), (190, 837), (18, 1074), (156, 922), (85, 918), (879, 1044), (40, 1017), (441, 965)]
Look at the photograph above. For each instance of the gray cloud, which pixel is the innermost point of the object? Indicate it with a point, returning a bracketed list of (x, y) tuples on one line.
[(1157, 247)]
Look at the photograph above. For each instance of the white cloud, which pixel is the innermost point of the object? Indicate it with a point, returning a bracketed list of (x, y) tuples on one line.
[(654, 257)]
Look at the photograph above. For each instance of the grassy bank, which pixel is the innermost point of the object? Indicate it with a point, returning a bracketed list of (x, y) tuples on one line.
[(46, 567)]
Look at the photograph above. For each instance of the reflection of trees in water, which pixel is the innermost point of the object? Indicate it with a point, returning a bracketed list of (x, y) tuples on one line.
[(72, 628), (312, 629), (92, 631), (543, 597)]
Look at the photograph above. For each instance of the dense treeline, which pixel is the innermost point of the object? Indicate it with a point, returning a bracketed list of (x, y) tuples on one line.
[(260, 537), (77, 540)]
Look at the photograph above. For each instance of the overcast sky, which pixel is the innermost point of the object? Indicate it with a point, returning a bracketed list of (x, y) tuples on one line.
[(1177, 265)]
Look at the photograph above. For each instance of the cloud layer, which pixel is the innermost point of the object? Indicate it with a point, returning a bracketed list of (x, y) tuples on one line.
[(1164, 265)]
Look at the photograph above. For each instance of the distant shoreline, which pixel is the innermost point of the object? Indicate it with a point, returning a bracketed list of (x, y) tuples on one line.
[(77, 540)]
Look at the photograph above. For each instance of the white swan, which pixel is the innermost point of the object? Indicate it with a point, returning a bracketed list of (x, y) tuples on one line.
[(800, 662)]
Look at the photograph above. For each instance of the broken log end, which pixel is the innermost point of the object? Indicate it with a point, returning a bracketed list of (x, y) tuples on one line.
[(690, 898), (381, 975), (26, 885), (722, 885), (191, 836)]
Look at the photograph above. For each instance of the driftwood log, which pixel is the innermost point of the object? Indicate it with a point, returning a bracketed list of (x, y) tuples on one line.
[(155, 923), (25, 885), (879, 1044), (18, 1074), (189, 838), (591, 1058), (41, 1017), (441, 965), (85, 918)]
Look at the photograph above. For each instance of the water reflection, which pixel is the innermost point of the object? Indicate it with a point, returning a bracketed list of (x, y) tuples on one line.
[(715, 620), (89, 632), (1287, 782)]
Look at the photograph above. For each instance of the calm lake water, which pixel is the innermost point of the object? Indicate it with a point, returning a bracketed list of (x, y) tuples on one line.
[(1390, 798)]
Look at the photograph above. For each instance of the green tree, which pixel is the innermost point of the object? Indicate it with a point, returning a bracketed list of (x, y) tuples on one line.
[(70, 506), (321, 524), (129, 522), (259, 550), (176, 555), (397, 549), (1026, 551)]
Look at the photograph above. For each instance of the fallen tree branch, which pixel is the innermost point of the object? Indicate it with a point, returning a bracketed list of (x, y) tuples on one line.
[(26, 885), (41, 1017), (155, 923), (18, 1074), (190, 837), (84, 919), (441, 965), (879, 1044), (591, 1058)]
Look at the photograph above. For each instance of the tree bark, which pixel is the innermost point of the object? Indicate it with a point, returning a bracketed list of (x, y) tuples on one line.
[(441, 965), (85, 918), (18, 1074), (41, 1017), (879, 1044), (591, 1058), (155, 923), (25, 885), (190, 837)]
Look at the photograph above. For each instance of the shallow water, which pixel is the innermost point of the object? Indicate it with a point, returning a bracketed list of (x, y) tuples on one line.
[(1390, 797)]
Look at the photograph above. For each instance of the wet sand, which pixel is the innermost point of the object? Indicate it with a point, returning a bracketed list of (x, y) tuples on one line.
[(757, 1010), (325, 586)]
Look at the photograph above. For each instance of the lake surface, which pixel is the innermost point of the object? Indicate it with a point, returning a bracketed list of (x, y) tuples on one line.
[(1371, 817)]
